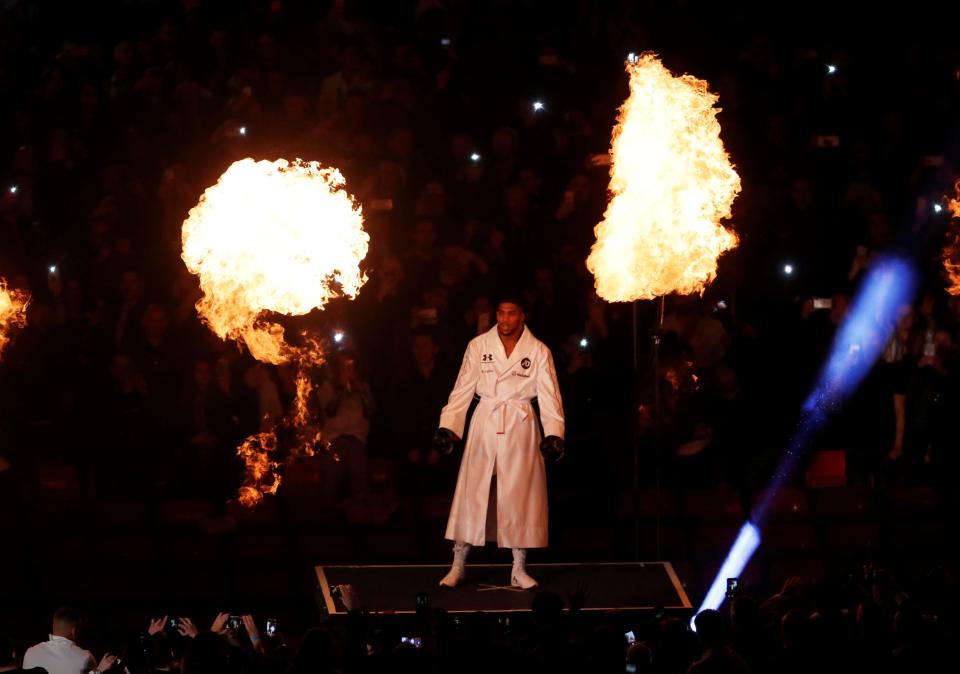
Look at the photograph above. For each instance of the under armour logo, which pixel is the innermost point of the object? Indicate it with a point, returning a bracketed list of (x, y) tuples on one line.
[(486, 358)]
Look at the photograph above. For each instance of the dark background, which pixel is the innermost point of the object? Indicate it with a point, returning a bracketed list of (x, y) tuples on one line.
[(120, 412)]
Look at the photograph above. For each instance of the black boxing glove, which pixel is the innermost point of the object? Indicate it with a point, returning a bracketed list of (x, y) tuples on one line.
[(443, 440), (552, 447)]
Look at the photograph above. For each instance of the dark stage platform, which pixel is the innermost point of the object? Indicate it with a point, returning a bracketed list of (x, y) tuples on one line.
[(635, 586)]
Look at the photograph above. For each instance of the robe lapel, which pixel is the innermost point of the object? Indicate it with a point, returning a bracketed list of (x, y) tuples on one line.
[(505, 365)]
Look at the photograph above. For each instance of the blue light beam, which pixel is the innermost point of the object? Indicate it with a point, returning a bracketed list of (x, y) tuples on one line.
[(888, 288), (886, 291), (743, 548)]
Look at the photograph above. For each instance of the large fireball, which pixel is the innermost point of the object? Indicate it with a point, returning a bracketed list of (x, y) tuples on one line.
[(671, 183), (281, 237)]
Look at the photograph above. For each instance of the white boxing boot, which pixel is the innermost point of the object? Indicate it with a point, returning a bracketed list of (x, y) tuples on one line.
[(457, 570), (519, 576)]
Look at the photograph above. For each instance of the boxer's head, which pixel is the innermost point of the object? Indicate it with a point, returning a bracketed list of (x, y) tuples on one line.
[(510, 316)]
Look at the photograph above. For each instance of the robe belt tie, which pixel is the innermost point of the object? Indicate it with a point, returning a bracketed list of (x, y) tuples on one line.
[(521, 406)]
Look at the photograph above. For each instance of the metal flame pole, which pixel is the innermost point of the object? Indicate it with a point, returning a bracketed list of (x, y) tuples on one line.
[(655, 360), (635, 432), (657, 333)]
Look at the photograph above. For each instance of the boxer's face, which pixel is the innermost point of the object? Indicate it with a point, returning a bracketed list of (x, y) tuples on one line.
[(510, 318)]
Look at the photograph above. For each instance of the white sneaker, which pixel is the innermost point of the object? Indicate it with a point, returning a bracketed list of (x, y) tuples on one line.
[(519, 576), (458, 570)]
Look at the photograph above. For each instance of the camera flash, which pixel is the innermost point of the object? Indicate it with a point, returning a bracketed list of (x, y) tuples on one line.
[(13, 189), (788, 269), (338, 336), (474, 157), (52, 269), (831, 69), (584, 343), (243, 131), (632, 57), (537, 106), (937, 208)]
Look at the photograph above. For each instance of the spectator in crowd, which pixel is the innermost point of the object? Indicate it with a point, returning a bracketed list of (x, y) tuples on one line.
[(61, 654), (156, 357), (717, 655), (208, 653), (419, 388), (347, 404)]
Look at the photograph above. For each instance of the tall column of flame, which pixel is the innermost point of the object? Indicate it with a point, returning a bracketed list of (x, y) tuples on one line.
[(671, 183), (273, 237), (13, 312), (951, 250)]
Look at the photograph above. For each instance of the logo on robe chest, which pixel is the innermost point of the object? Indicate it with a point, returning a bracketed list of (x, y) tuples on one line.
[(525, 363), (486, 358)]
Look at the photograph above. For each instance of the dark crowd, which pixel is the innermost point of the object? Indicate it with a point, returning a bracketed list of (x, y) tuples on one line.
[(473, 134), (866, 625)]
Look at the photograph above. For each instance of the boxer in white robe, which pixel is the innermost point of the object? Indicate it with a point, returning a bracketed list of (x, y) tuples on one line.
[(506, 368)]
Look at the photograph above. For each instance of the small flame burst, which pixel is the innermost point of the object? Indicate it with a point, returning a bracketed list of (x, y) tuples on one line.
[(274, 237), (13, 312), (257, 452), (951, 250), (310, 436), (671, 183)]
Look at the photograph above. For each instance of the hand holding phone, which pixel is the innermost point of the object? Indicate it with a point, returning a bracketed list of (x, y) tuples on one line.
[(107, 662), (733, 588), (219, 623), (185, 627)]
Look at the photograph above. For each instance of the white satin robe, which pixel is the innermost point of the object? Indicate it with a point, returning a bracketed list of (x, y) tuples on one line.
[(504, 439)]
